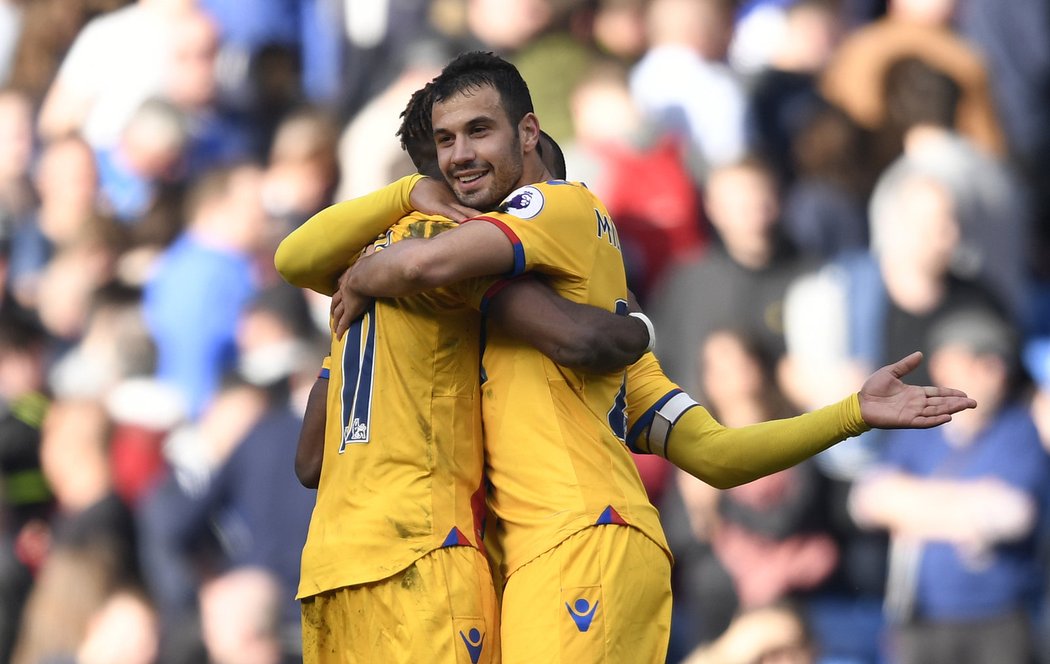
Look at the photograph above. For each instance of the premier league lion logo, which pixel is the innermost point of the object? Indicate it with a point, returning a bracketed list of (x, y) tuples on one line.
[(524, 203)]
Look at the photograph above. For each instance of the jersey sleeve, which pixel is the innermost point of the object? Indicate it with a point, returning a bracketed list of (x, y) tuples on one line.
[(549, 224), (649, 391), (727, 457), (315, 254)]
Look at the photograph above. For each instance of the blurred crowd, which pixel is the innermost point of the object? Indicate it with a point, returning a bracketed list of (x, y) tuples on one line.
[(805, 190)]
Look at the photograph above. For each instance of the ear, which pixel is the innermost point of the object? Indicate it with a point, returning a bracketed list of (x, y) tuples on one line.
[(529, 132)]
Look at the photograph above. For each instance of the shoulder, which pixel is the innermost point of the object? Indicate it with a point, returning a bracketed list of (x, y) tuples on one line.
[(532, 200)]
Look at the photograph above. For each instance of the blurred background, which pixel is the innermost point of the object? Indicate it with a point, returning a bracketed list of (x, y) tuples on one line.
[(805, 190)]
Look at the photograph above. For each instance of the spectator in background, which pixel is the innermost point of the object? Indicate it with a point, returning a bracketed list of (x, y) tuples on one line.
[(17, 143), (755, 544), (783, 97), (27, 502), (302, 170), (119, 60), (235, 485), (737, 283), (994, 211), (370, 155), (962, 504), (683, 84), (148, 154), (639, 176), (241, 618), (216, 133), (123, 630), (921, 29), (203, 281), (825, 207), (854, 313), (66, 180), (776, 634)]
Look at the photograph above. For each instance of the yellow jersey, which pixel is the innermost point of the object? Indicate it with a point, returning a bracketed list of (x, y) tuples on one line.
[(402, 468), (554, 438)]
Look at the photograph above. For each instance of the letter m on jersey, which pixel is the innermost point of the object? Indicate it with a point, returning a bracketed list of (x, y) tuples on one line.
[(358, 364), (606, 229)]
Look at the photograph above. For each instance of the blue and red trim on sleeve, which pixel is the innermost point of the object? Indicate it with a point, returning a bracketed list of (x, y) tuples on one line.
[(519, 250)]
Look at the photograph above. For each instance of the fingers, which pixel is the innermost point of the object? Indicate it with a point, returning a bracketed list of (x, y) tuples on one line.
[(458, 213)]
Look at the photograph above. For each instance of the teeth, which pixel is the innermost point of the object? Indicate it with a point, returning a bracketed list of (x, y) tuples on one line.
[(469, 179)]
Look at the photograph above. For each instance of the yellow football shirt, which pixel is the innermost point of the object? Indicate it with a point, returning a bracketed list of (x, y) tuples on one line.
[(556, 460), (402, 467)]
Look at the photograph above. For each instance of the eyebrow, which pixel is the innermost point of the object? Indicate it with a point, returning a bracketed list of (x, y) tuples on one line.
[(469, 123)]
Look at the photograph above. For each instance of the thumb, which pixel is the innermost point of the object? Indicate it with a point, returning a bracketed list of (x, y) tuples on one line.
[(906, 365)]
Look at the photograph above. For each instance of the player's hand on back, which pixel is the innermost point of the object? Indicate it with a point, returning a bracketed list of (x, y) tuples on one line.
[(432, 196), (886, 402), (347, 304)]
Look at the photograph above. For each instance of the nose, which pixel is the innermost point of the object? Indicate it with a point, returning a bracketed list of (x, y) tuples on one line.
[(462, 151)]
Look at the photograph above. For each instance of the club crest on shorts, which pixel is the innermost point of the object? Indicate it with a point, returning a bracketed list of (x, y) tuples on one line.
[(524, 203), (582, 612), (474, 640)]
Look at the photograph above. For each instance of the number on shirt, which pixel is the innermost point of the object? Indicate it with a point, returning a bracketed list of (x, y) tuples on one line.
[(358, 364)]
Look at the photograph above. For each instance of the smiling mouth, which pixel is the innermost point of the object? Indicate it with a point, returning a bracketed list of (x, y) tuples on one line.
[(470, 179)]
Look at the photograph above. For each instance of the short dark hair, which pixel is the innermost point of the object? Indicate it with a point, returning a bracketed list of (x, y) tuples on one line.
[(476, 69), (555, 161), (416, 131), (916, 92)]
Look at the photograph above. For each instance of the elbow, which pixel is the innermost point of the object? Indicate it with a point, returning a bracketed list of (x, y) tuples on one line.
[(308, 473)]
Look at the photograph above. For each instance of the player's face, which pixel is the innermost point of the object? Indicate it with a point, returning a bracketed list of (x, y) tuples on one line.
[(479, 150)]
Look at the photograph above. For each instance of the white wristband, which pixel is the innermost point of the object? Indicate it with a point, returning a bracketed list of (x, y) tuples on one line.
[(648, 326)]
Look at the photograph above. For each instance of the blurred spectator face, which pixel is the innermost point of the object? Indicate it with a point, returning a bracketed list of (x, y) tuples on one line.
[(239, 618), (603, 110), (16, 134), (982, 376), (703, 25), (244, 208), (729, 371), (193, 81), (72, 453), (811, 34), (68, 184), (619, 28), (302, 168), (507, 24), (123, 631), (923, 12), (924, 232), (742, 206), (154, 140)]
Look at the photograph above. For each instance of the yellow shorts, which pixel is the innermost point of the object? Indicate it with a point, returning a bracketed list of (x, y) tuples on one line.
[(602, 595), (440, 609)]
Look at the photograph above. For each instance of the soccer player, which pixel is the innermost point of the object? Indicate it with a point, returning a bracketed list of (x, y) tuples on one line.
[(556, 461), (393, 568)]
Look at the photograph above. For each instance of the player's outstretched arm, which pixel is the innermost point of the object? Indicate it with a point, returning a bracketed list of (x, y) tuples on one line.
[(310, 450), (574, 335), (673, 425), (887, 402)]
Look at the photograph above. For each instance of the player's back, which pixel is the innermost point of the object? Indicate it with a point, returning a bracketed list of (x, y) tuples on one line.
[(402, 466), (555, 457)]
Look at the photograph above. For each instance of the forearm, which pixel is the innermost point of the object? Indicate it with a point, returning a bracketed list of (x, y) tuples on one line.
[(968, 511), (574, 335), (315, 254), (472, 249), (725, 457), (310, 451)]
